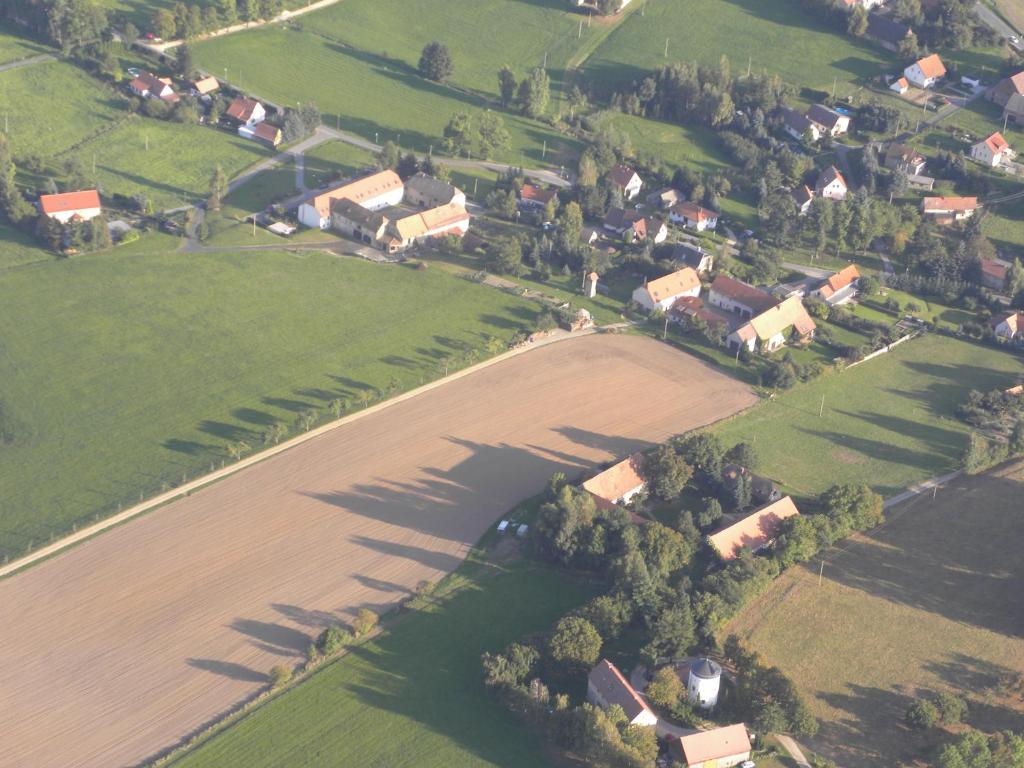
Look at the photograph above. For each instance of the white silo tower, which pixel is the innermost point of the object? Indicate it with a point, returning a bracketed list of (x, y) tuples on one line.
[(704, 682)]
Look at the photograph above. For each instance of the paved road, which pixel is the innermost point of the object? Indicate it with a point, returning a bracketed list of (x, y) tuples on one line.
[(28, 62), (991, 19), (922, 487), (817, 272), (292, 153), (793, 749)]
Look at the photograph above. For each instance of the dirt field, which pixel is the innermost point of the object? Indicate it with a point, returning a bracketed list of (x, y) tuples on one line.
[(120, 647), (930, 601)]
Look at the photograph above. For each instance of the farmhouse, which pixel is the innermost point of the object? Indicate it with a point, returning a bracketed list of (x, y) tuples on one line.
[(618, 484), (993, 274), (428, 192), (829, 121), (888, 32), (690, 308), (1009, 326), (840, 287), (755, 531), (633, 226), (244, 111), (607, 687), (719, 747), (354, 220), (736, 296), (376, 191), (768, 331), (797, 125), (693, 216), (67, 206), (1013, 112), (946, 210), (265, 133), (450, 219), (803, 196), (991, 151), (900, 157), (831, 185), (692, 256), (924, 73), (663, 292), (626, 180), (901, 85), (149, 86), (533, 198), (204, 86), (1002, 91)]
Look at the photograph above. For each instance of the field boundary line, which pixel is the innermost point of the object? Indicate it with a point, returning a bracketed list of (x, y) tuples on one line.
[(194, 485)]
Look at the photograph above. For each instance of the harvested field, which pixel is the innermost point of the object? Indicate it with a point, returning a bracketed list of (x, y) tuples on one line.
[(171, 619)]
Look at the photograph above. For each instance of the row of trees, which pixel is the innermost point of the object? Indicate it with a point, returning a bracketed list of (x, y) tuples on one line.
[(185, 21)]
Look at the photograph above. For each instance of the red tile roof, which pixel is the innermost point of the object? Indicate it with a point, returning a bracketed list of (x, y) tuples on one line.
[(69, 201), (996, 143), (241, 108), (707, 747), (693, 212), (932, 66), (745, 294), (674, 284), (615, 482), (530, 192), (948, 204), (753, 531), (615, 689), (840, 280)]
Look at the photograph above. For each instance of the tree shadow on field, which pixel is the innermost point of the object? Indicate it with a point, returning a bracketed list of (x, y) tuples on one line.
[(186, 446), (274, 638), (945, 442), (295, 406), (307, 618), (251, 415), (228, 669), (872, 733), (225, 431)]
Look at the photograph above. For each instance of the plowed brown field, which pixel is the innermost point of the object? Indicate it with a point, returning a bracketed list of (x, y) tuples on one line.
[(115, 650)]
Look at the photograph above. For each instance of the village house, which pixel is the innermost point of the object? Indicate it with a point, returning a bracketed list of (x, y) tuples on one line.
[(376, 191), (606, 687), (626, 180), (829, 121), (803, 196), (204, 86), (926, 72), (993, 274), (991, 151), (718, 748), (245, 111), (619, 484), (692, 256), (797, 125), (755, 531), (840, 287), (947, 210), (350, 218), (762, 490), (534, 198), (1013, 112), (831, 185), (402, 233), (68, 206), (689, 308), (901, 85), (265, 133), (888, 32), (769, 330), (900, 157), (867, 5), (633, 226), (664, 198), (1001, 92), (149, 86), (660, 294), (693, 216), (1008, 326), (737, 297), (427, 192)]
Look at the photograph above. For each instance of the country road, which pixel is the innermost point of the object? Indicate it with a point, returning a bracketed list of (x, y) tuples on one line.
[(28, 62), (992, 19)]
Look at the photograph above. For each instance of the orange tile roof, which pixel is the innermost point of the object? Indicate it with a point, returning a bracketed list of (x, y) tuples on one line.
[(753, 531), (707, 746), (530, 192), (418, 224), (1014, 321), (69, 201), (790, 312), (840, 280), (674, 284), (242, 108), (693, 211), (206, 85), (738, 291), (947, 204), (615, 689), (932, 66), (357, 191), (996, 143), (615, 482)]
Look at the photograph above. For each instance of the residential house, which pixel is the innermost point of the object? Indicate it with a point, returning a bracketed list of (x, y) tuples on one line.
[(690, 308), (402, 233), (626, 180), (534, 198), (925, 183), (66, 206), (204, 86), (829, 121), (831, 185), (149, 86), (693, 216), (717, 748), (633, 226), (991, 151), (840, 287), (619, 484), (946, 210), (376, 191), (993, 274), (354, 220), (664, 198), (590, 282), (265, 133), (1001, 92), (1013, 112), (769, 330), (427, 192), (589, 235), (607, 686), (901, 85), (735, 296), (755, 531), (797, 125), (1008, 326), (803, 196), (762, 489), (692, 256), (245, 111), (888, 32), (926, 72), (663, 292), (867, 5), (900, 157)]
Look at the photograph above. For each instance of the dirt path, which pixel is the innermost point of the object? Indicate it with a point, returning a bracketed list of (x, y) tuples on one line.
[(27, 62), (118, 648)]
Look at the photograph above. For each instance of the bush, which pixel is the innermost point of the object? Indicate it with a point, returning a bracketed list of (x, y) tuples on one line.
[(921, 715), (952, 709), (332, 640), (280, 675), (364, 622), (575, 641), (665, 688)]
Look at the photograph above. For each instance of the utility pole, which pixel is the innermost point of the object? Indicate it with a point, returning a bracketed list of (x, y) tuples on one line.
[(545, 59), (544, 151), (821, 572), (835, 81), (821, 410), (750, 61), (579, 33), (664, 332), (666, 48)]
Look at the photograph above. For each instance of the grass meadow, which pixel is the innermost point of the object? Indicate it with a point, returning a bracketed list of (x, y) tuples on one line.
[(414, 695), (18, 248), (926, 602), (1012, 11), (126, 370), (335, 159), (13, 48), (889, 422)]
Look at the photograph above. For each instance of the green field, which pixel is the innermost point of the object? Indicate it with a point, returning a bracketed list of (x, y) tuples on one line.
[(335, 159), (889, 422), (18, 248), (776, 36), (125, 370), (414, 696), (926, 602), (13, 48)]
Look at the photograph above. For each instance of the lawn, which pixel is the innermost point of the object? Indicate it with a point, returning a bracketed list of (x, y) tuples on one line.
[(776, 36), (889, 422), (14, 48), (414, 696), (17, 248), (1004, 225), (372, 96), (128, 370), (1012, 11), (332, 160), (929, 601)]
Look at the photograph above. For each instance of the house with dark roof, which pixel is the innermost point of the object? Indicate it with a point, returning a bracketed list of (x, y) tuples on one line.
[(886, 31), (796, 124), (1001, 92), (831, 185), (738, 297), (607, 686), (692, 256), (633, 226), (626, 180), (1013, 112), (149, 86), (690, 308), (993, 274), (829, 121), (900, 157), (244, 111), (803, 196)]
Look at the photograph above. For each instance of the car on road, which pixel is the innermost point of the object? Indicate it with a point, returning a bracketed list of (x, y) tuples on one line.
[(747, 764), (133, 71)]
